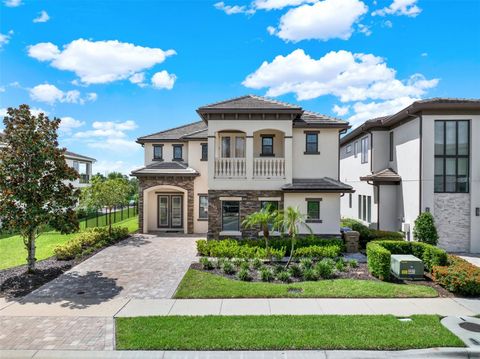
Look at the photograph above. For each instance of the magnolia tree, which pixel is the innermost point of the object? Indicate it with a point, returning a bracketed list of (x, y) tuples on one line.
[(34, 179), (106, 193)]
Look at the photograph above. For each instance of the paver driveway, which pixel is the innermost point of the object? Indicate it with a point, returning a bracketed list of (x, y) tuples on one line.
[(142, 267)]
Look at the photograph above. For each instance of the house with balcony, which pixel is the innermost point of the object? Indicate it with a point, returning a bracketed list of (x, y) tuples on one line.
[(244, 154), (424, 158)]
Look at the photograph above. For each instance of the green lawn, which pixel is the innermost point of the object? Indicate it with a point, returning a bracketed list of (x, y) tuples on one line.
[(198, 284), (375, 332), (13, 253)]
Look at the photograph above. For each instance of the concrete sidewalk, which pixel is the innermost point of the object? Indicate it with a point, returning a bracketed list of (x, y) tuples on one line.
[(300, 354)]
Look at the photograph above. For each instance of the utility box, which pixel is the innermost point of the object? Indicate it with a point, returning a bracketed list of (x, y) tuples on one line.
[(406, 266)]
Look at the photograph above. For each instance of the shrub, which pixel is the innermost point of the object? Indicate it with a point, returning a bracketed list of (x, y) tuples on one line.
[(324, 268), (278, 268), (284, 276), (378, 260), (424, 229), (306, 263), (237, 262), (285, 243), (244, 275), (295, 270), (367, 234), (228, 267), (88, 241), (279, 253), (459, 276), (266, 274), (353, 263), (245, 266), (309, 274), (340, 265), (257, 263), (330, 251), (206, 263)]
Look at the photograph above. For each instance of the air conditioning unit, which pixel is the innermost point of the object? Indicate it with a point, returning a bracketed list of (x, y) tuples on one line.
[(406, 266)]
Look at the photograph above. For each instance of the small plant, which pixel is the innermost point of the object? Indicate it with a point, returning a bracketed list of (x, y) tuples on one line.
[(306, 263), (425, 230), (278, 268), (310, 274), (284, 276), (295, 270), (237, 262), (245, 265), (206, 263), (325, 268), (340, 265), (228, 267), (266, 274), (353, 263), (244, 275), (257, 263)]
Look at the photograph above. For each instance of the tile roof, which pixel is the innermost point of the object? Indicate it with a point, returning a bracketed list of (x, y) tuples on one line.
[(313, 119), (166, 168), (250, 102), (190, 130), (385, 175), (325, 184)]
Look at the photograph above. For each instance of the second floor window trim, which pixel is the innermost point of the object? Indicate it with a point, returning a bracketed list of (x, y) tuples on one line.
[(178, 152), (267, 146), (311, 143), (204, 147), (158, 152)]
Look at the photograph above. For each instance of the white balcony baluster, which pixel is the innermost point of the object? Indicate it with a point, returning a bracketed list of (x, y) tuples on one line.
[(269, 167), (230, 167)]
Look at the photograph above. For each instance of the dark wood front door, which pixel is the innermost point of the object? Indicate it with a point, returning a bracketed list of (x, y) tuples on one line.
[(170, 211)]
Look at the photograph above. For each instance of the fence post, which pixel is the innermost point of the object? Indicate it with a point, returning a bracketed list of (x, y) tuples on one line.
[(114, 214), (121, 213), (96, 215)]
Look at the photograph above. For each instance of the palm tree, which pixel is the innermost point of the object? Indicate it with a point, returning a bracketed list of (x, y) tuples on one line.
[(292, 218), (264, 218)]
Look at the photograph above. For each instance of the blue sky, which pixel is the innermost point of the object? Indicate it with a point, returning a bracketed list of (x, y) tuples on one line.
[(116, 70)]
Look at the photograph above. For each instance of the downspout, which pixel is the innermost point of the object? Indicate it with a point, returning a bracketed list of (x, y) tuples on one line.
[(420, 165), (341, 132)]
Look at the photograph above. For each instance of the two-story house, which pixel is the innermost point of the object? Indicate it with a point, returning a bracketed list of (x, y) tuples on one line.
[(426, 157), (244, 154)]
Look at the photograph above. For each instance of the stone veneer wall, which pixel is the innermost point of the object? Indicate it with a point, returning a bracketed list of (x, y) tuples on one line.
[(248, 205), (452, 218), (185, 182)]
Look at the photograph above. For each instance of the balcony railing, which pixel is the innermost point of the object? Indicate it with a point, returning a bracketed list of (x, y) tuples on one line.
[(230, 168), (269, 167), (84, 179)]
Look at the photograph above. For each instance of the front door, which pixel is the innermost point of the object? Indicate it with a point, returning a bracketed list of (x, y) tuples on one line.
[(170, 211)]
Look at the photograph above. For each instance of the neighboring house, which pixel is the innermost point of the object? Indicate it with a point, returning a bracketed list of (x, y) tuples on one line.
[(82, 164), (424, 158), (245, 153)]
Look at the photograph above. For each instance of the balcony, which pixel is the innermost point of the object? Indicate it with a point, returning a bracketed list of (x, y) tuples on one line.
[(263, 168), (230, 168), (84, 179)]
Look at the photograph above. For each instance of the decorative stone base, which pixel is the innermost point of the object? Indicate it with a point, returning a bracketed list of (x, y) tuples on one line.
[(352, 240), (185, 182), (250, 203)]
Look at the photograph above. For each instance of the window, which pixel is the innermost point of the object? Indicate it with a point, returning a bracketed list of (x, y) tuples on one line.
[(226, 147), (203, 206), (230, 216), (76, 166), (240, 147), (311, 140), (158, 152), (204, 152), (355, 149), (348, 149), (313, 209), (365, 208), (364, 149), (391, 146), (452, 156), (272, 205), (267, 146), (359, 207), (178, 152), (350, 200)]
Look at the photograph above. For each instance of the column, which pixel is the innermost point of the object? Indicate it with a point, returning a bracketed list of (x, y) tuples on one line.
[(249, 155), (288, 159)]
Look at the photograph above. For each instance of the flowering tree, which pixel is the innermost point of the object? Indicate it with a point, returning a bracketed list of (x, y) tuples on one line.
[(34, 188)]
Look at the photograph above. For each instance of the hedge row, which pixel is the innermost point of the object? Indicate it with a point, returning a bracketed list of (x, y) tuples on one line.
[(282, 242), (379, 255), (459, 276), (89, 241), (230, 248), (367, 234)]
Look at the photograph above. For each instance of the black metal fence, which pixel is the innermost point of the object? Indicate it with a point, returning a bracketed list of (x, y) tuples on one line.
[(100, 217)]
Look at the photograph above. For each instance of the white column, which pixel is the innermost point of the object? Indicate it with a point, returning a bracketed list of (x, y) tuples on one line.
[(249, 155), (288, 159), (211, 159)]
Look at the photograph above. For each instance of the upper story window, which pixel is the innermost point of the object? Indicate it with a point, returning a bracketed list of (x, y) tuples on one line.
[(158, 152), (452, 156), (76, 166), (267, 145), (178, 152), (391, 146), (204, 152), (239, 147), (364, 149), (348, 149), (311, 143), (355, 149), (226, 146)]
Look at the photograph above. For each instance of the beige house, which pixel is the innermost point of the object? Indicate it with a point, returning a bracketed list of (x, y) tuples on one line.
[(244, 154), (426, 157)]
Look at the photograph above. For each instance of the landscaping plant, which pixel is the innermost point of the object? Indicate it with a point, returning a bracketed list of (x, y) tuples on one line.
[(228, 267), (295, 270), (424, 229), (309, 274), (340, 265), (206, 263), (266, 274), (244, 275), (325, 268), (257, 263), (284, 276), (353, 263), (306, 263), (34, 179), (459, 276)]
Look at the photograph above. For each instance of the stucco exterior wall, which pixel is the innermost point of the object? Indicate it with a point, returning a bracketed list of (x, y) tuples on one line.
[(200, 183), (388, 208), (167, 151)]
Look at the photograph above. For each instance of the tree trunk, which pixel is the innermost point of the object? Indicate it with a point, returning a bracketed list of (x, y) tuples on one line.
[(266, 235), (110, 221), (291, 250), (31, 250)]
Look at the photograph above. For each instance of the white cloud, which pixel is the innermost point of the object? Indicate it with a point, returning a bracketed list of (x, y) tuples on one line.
[(42, 17), (231, 10), (278, 4), (97, 62), (34, 111), (115, 144), (163, 80), (387, 23), (364, 29), (348, 76), (324, 20), (68, 124), (12, 3), (5, 38), (340, 110), (138, 78), (51, 94), (424, 54), (400, 7), (2, 89)]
